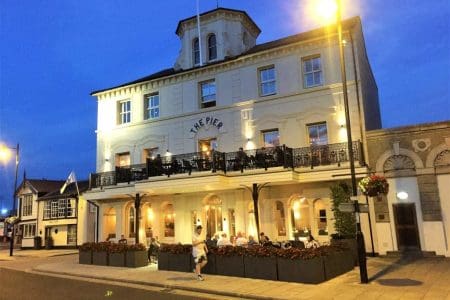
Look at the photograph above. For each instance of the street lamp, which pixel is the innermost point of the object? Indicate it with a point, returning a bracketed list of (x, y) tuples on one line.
[(5, 154), (329, 9)]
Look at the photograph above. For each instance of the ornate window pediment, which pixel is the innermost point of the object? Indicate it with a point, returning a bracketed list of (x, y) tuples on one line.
[(442, 159), (398, 162)]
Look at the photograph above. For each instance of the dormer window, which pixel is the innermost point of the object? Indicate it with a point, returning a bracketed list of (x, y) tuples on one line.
[(196, 52), (212, 47)]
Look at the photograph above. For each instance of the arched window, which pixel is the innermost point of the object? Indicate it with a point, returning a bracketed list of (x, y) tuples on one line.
[(169, 221), (131, 222), (320, 215), (300, 218), (212, 47), (196, 51), (280, 218)]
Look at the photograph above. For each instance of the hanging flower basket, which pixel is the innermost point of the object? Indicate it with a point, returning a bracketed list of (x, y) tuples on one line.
[(373, 185), (12, 220)]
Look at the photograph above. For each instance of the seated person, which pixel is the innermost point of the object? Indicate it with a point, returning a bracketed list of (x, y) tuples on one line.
[(223, 241), (174, 167), (311, 242), (241, 240), (241, 159), (263, 239), (260, 158), (122, 240), (251, 241), (158, 164)]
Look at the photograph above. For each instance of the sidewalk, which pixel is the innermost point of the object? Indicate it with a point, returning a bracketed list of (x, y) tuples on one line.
[(391, 278)]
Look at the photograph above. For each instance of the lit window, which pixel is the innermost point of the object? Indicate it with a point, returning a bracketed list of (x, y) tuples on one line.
[(169, 221), (271, 138), (54, 209), (280, 218), (212, 47), (62, 206), (196, 52), (300, 219), (317, 134), (131, 222), (312, 72), (124, 112), (208, 93), (267, 81), (151, 106), (47, 210), (123, 159)]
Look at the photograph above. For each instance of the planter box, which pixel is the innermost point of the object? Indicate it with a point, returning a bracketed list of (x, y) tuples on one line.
[(351, 245), (260, 267), (163, 261), (136, 259), (337, 263), (117, 259), (100, 258), (210, 267), (180, 262), (230, 265), (298, 270), (85, 257)]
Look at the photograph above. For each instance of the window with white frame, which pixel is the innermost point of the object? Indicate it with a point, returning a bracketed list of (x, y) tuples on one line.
[(62, 205), (151, 106), (212, 47), (124, 108), (208, 93), (47, 210), (29, 230), (71, 234), (195, 52), (27, 205), (54, 209), (271, 138), (317, 134), (312, 72), (267, 81), (71, 208)]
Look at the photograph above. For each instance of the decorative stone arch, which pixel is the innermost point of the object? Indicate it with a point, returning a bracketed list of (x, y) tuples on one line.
[(212, 199), (398, 162), (418, 164), (436, 152)]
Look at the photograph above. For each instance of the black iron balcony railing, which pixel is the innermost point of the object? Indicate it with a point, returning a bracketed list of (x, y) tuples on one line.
[(214, 161)]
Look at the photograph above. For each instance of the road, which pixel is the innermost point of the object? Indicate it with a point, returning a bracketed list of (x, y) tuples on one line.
[(24, 285)]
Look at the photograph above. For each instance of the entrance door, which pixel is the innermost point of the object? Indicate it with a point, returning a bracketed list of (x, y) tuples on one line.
[(406, 226), (207, 145), (48, 233)]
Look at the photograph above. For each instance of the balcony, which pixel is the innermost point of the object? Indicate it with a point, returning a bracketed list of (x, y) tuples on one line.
[(224, 162)]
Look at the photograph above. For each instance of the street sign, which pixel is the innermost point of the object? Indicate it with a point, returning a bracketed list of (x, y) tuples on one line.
[(347, 207), (350, 207)]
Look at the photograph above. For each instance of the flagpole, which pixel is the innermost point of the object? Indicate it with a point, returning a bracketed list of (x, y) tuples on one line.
[(199, 35)]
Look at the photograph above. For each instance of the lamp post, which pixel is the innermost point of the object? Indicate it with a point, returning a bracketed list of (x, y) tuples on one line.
[(4, 155), (333, 9)]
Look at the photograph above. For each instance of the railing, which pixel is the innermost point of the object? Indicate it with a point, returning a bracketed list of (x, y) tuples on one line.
[(262, 158)]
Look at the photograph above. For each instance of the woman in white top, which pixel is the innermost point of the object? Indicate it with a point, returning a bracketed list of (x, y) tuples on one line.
[(223, 241)]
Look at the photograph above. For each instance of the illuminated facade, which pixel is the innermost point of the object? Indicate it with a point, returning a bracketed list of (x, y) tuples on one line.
[(172, 140)]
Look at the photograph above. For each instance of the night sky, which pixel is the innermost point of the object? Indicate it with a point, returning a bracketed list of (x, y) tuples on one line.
[(54, 53)]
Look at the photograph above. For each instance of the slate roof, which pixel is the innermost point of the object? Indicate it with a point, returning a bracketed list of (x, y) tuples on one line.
[(70, 190), (42, 186), (346, 24)]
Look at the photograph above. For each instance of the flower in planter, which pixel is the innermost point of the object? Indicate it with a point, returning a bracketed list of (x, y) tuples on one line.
[(260, 251), (87, 246), (229, 251), (373, 185), (117, 248), (12, 220), (175, 248), (135, 247), (101, 247)]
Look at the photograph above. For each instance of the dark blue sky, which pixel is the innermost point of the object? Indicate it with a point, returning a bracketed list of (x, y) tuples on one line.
[(54, 53)]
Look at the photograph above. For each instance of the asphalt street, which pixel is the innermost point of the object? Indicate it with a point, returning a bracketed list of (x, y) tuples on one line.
[(23, 285)]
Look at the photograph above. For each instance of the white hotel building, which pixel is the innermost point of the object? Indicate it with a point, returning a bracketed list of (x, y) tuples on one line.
[(284, 93)]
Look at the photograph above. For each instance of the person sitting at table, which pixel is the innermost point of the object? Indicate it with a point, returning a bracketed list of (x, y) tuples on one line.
[(251, 241), (174, 166), (223, 241), (241, 240), (279, 155), (241, 159), (122, 240), (311, 242), (263, 239)]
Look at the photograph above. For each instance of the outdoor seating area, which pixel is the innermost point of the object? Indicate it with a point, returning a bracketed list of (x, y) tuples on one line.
[(238, 161)]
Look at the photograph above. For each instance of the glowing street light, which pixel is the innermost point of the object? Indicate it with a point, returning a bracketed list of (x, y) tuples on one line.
[(329, 9), (5, 155)]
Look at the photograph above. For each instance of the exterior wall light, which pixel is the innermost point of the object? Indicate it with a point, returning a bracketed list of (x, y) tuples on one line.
[(402, 195)]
